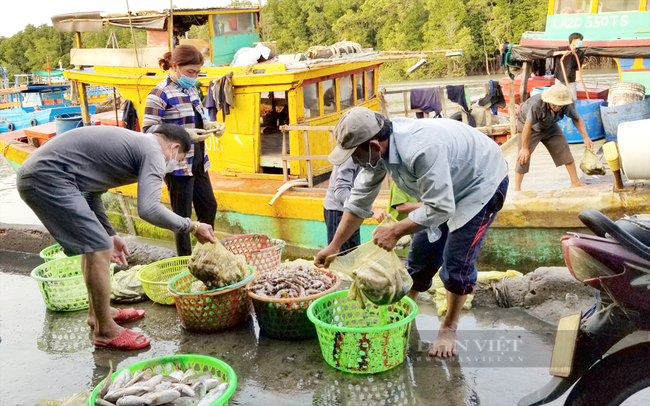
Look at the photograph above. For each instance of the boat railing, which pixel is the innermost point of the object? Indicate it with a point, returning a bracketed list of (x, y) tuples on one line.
[(307, 157), (490, 129)]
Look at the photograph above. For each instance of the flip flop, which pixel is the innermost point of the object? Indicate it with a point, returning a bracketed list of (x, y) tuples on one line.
[(126, 316), (126, 341)]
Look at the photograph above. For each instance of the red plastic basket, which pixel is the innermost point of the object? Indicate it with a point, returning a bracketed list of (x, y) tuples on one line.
[(262, 252)]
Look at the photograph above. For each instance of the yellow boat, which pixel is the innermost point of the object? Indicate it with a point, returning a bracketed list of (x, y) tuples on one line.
[(269, 170)]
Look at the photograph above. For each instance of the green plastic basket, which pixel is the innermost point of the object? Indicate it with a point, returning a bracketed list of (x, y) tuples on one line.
[(212, 310), (62, 284), (286, 319), (166, 365), (52, 252), (155, 278), (363, 341)]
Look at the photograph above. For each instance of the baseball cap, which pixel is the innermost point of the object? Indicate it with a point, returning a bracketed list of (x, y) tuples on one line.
[(355, 127), (558, 95)]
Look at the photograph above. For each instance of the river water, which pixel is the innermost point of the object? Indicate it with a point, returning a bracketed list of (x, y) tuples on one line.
[(14, 211)]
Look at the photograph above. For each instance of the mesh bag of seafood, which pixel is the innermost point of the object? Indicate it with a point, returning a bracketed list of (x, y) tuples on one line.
[(377, 274), (282, 296), (215, 266)]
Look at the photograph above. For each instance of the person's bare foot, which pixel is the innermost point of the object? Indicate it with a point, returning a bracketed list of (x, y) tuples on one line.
[(91, 320), (107, 335), (413, 294), (578, 184), (445, 345)]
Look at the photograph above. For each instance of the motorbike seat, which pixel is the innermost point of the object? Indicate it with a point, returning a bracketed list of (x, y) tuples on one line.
[(632, 232)]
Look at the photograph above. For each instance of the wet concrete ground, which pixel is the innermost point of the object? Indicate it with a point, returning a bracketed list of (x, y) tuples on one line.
[(49, 355)]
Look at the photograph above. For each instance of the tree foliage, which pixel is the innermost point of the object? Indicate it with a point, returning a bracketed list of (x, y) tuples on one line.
[(478, 27)]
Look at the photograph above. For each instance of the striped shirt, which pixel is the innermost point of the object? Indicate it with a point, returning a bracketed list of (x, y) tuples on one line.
[(171, 104)]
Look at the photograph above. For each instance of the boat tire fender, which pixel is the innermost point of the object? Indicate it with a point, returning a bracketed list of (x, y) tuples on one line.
[(11, 127), (33, 122)]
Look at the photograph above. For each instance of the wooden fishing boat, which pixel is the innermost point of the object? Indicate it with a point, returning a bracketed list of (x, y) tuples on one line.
[(270, 170)]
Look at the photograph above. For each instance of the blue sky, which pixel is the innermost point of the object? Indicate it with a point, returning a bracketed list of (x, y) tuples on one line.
[(16, 14)]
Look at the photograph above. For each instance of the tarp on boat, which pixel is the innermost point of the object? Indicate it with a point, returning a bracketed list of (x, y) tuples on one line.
[(94, 21), (520, 53)]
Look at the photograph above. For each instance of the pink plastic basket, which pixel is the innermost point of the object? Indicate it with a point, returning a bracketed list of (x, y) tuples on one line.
[(262, 252)]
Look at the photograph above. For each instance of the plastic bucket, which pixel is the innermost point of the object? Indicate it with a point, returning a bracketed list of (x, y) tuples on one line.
[(613, 116), (634, 148), (66, 122), (589, 110), (625, 93)]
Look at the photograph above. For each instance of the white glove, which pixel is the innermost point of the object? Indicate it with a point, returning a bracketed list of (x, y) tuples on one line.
[(197, 135), (215, 127)]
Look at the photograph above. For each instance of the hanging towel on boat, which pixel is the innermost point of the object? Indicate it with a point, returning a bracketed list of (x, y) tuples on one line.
[(504, 51), (456, 94), (427, 100), (494, 98), (220, 96), (130, 117)]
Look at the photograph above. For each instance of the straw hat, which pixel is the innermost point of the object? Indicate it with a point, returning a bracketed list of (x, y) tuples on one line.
[(558, 95)]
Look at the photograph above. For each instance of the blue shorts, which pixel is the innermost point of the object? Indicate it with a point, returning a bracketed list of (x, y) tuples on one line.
[(332, 220), (455, 252)]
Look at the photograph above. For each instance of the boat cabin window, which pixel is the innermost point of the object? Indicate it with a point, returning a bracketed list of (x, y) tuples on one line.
[(572, 6), (329, 96), (611, 6), (360, 87), (370, 81), (274, 112), (310, 100), (31, 99), (231, 24), (346, 97)]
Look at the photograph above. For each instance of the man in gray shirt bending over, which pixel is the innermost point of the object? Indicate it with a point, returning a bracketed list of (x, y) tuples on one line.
[(63, 181), (459, 175)]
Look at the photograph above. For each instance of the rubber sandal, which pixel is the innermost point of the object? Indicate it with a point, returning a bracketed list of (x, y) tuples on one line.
[(126, 316), (126, 341)]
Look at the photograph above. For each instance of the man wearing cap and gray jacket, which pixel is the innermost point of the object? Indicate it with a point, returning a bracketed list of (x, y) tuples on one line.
[(459, 175), (537, 122)]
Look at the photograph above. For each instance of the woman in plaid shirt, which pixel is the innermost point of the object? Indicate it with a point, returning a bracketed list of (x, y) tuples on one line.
[(175, 100)]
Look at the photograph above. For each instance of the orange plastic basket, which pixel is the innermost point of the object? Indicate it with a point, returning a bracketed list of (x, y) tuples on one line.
[(212, 310), (262, 252)]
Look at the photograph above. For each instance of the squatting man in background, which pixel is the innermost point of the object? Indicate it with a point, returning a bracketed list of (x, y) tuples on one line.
[(537, 121), (459, 175), (63, 182)]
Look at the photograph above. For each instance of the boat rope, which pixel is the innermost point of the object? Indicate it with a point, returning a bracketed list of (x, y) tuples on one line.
[(501, 293), (135, 46)]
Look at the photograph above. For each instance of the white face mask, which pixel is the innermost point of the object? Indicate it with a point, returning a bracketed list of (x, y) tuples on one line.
[(171, 164), (369, 165)]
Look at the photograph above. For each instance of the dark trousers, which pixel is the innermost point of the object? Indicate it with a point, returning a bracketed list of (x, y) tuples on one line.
[(187, 190), (332, 220), (455, 251)]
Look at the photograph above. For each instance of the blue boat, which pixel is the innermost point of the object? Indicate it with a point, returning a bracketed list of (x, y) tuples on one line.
[(590, 112), (28, 106), (613, 116)]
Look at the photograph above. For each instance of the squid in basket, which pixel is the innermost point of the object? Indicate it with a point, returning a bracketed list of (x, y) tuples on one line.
[(377, 274)]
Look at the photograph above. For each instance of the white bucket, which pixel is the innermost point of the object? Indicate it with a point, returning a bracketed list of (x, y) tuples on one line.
[(624, 93), (634, 148)]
